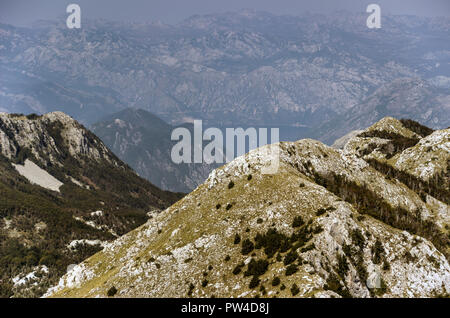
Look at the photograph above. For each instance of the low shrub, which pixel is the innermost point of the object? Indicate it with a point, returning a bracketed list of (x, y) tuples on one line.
[(294, 289), (247, 247), (112, 291), (321, 211), (290, 258), (276, 281), (254, 282), (298, 221), (291, 269), (256, 268)]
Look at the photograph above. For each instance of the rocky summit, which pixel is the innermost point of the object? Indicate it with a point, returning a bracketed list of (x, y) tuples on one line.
[(368, 220)]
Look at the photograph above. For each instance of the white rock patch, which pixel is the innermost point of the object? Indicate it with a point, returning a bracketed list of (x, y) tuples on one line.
[(74, 243), (30, 277), (97, 213), (72, 279), (37, 175)]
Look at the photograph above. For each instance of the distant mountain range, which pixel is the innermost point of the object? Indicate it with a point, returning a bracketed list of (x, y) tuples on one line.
[(402, 98), (64, 194), (243, 68)]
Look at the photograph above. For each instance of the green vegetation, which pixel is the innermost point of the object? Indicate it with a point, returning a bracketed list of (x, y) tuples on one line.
[(272, 242), (16, 115), (358, 238), (342, 266), (409, 257), (294, 289), (377, 252), (238, 268), (414, 126), (123, 197), (321, 211), (438, 186), (290, 258), (397, 143), (191, 289), (371, 203), (333, 283), (254, 282), (33, 116), (111, 292), (310, 247), (301, 237), (291, 269), (247, 247), (276, 281), (256, 268), (317, 229), (298, 221), (262, 289)]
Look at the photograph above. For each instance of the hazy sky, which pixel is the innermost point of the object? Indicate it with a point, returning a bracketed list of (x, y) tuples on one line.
[(24, 12)]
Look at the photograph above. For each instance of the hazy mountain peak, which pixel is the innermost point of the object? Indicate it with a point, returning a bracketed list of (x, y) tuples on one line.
[(144, 141)]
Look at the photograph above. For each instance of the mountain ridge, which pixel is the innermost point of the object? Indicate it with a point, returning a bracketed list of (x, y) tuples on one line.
[(251, 69), (326, 224)]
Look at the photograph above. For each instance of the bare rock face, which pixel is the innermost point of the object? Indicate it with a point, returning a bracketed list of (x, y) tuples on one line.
[(326, 224), (45, 135)]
